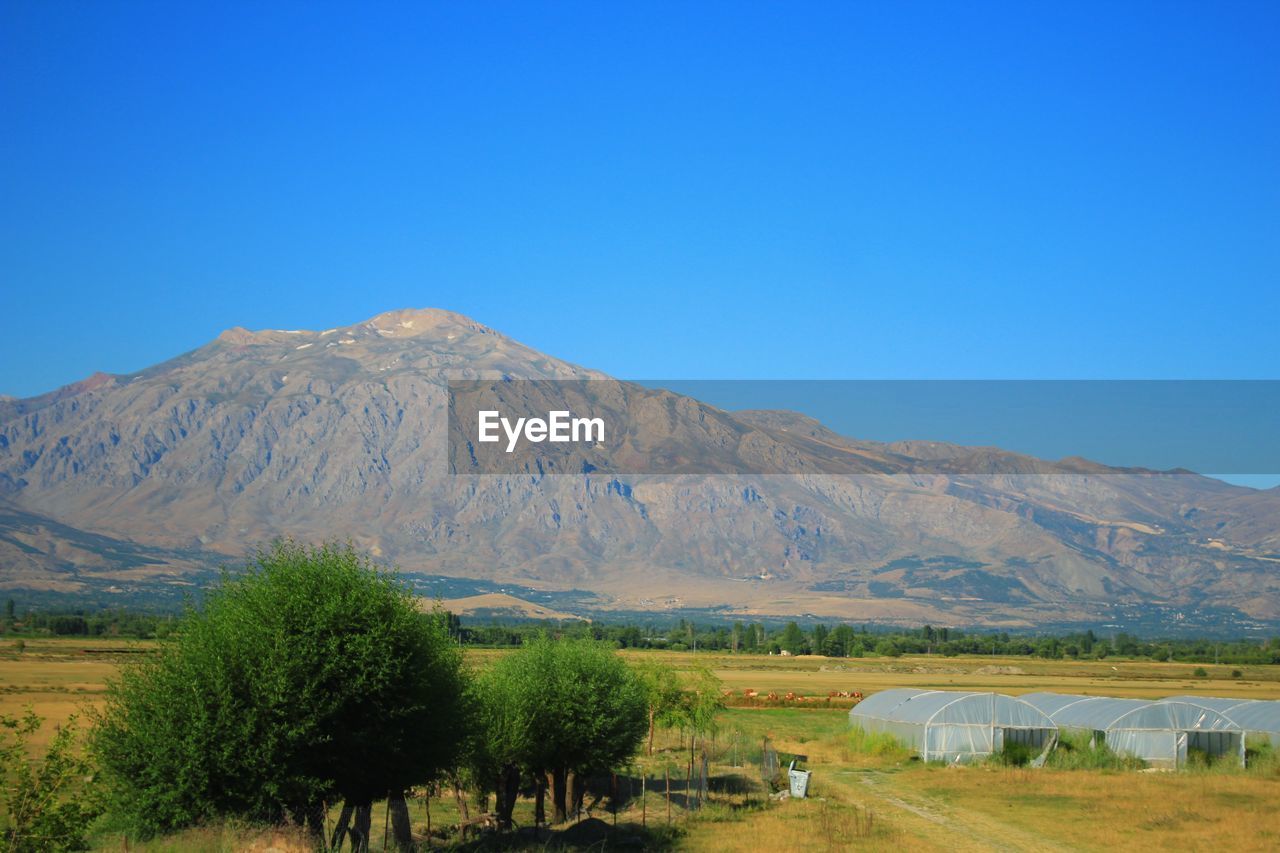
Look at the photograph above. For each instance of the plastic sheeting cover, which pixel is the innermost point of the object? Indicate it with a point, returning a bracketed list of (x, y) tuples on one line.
[(952, 725), (882, 704), (1252, 715), (1160, 731), (1072, 711), (1104, 713)]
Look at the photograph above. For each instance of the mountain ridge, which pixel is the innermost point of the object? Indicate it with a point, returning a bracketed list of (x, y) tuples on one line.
[(339, 432)]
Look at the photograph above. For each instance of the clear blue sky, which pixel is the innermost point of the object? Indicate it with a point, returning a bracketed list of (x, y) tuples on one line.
[(853, 190)]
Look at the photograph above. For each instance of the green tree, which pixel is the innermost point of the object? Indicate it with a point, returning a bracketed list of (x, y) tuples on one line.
[(562, 708), (701, 701), (46, 806), (311, 677), (888, 648), (501, 744), (663, 695), (840, 642), (793, 640)]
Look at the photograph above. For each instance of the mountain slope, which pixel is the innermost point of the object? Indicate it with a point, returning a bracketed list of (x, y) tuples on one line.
[(341, 434)]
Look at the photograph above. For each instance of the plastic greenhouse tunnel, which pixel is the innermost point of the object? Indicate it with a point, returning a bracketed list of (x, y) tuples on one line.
[(1257, 717), (1159, 732), (956, 727)]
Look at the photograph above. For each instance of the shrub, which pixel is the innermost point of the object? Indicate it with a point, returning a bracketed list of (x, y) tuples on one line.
[(879, 744), (1015, 754), (888, 649), (1200, 672), (311, 677), (558, 707), (46, 804), (1078, 751), (1261, 756)]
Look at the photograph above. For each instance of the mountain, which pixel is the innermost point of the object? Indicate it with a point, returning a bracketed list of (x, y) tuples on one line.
[(138, 484)]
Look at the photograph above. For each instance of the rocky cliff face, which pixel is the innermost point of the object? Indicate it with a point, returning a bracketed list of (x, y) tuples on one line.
[(339, 433)]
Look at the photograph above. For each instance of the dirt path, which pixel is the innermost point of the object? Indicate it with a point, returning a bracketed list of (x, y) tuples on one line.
[(933, 822)]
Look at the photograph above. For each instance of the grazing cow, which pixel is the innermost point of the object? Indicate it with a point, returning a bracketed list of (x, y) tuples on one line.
[(791, 697), (750, 694), (772, 697)]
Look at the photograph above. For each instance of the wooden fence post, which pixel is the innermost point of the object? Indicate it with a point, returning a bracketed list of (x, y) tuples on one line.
[(386, 820), (667, 775)]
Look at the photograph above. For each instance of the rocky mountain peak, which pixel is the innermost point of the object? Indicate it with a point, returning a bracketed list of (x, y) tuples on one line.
[(341, 433), (401, 323)]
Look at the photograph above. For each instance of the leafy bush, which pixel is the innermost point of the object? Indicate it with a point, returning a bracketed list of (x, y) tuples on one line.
[(1261, 757), (312, 677), (879, 744), (888, 649), (556, 707), (46, 803), (1015, 754), (1200, 672), (1078, 751)]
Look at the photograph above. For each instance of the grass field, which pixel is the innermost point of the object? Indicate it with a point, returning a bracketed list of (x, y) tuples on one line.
[(874, 801)]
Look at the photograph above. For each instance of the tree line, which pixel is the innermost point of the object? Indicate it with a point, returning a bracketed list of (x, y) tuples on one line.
[(315, 678), (838, 640)]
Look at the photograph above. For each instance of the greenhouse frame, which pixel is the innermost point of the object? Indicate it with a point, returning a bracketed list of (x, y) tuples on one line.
[(1158, 732), (1256, 716), (955, 726)]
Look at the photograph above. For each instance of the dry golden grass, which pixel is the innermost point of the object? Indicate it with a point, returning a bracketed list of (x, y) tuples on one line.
[(1112, 810), (798, 825), (817, 676), (56, 678), (864, 801)]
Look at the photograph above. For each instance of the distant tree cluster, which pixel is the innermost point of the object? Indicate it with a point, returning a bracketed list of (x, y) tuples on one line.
[(81, 623), (553, 711), (312, 677), (839, 640), (845, 640), (315, 677)]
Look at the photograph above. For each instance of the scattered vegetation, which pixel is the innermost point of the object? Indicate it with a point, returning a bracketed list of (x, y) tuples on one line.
[(47, 802), (880, 744), (558, 711), (843, 640), (1014, 754), (311, 693), (1081, 751), (312, 677)]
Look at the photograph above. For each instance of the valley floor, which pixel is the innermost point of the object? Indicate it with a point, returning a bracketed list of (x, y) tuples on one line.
[(871, 801)]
